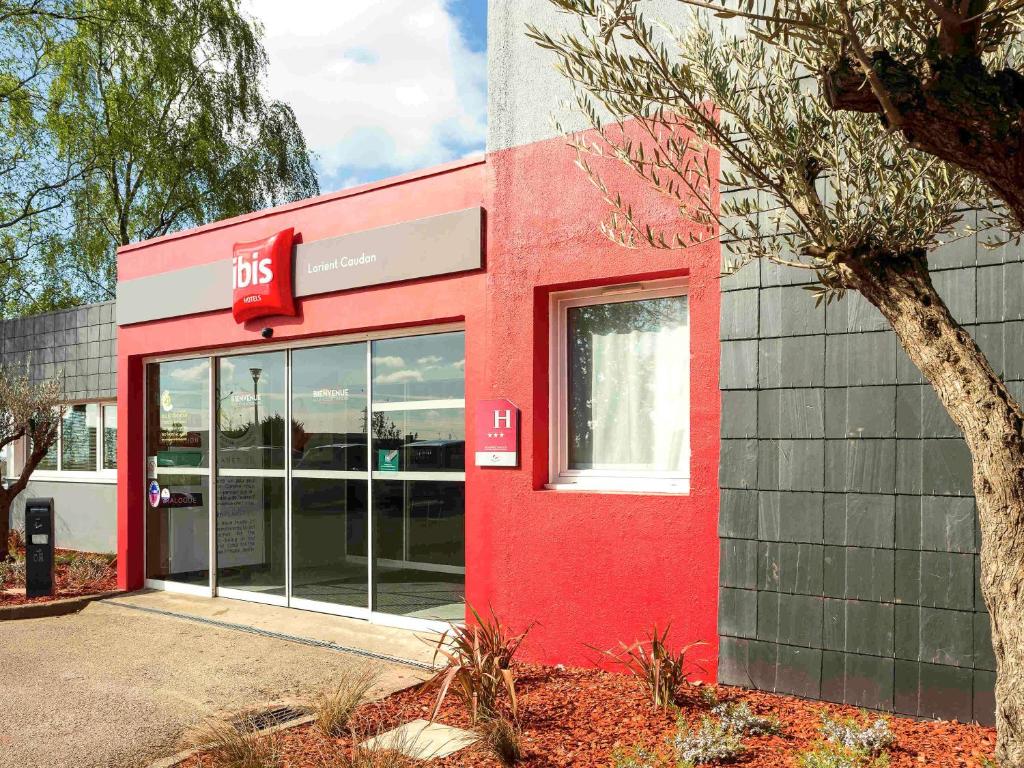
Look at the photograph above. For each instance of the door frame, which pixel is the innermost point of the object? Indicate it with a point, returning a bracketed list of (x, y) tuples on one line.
[(212, 589)]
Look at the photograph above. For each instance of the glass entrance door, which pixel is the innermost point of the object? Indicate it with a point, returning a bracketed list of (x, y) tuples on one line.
[(250, 512), (335, 480), (418, 490), (329, 499), (178, 475), (378, 478)]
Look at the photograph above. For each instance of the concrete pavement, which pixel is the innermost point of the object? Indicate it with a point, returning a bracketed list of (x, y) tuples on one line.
[(117, 686)]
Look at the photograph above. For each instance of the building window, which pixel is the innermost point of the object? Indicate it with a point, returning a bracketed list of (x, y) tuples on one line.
[(86, 444), (109, 437), (621, 389), (78, 438)]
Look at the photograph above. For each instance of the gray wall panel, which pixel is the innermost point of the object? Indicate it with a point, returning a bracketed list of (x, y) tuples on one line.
[(524, 91), (876, 520), (86, 513), (58, 343)]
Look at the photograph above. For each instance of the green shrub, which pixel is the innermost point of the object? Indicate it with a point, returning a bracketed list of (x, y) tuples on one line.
[(711, 743), (84, 572), (740, 719), (15, 540), (12, 573), (831, 755), (871, 740), (708, 695)]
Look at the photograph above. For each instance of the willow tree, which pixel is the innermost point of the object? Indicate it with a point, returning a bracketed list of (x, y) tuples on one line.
[(35, 174), (164, 102), (834, 193)]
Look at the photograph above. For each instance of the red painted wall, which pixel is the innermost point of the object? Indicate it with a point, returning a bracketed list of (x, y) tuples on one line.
[(592, 569)]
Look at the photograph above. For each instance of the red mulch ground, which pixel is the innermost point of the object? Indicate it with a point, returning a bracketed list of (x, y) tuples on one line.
[(575, 717), (63, 587)]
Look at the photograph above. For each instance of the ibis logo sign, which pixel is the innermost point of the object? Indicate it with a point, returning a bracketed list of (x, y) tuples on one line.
[(265, 279), (261, 278)]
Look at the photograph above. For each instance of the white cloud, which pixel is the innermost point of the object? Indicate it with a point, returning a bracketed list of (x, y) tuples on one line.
[(387, 83), (431, 360), (389, 361), (398, 377), (198, 372)]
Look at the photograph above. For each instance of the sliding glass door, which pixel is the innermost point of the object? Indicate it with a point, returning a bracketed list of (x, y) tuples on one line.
[(329, 471), (178, 473), (338, 476), (419, 450), (251, 522)]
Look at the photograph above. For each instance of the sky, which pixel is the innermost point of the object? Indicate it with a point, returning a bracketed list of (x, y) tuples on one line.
[(379, 87)]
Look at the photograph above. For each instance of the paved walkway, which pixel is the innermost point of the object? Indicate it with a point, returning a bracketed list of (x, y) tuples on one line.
[(117, 686)]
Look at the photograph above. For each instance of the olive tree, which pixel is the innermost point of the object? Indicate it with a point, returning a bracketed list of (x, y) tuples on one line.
[(707, 107), (947, 75), (28, 410)]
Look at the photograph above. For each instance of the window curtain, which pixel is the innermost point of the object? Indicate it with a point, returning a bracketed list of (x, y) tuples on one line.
[(630, 378)]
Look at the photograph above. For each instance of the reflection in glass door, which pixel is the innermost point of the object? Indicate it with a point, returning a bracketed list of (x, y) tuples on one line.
[(418, 491), (178, 473), (250, 513), (329, 491)]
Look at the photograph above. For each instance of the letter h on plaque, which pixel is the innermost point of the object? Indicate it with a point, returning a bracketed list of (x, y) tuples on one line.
[(497, 434)]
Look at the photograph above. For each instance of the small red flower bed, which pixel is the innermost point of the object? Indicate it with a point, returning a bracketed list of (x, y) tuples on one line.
[(75, 574), (578, 718)]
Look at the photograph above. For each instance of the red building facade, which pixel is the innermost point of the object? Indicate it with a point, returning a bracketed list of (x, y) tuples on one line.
[(603, 528)]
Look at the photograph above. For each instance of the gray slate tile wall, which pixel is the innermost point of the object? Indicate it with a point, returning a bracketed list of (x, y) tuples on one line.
[(79, 343), (849, 543)]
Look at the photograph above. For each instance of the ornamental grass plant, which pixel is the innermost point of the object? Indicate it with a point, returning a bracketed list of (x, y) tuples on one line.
[(478, 658), (333, 707), (504, 739), (662, 671), (238, 745)]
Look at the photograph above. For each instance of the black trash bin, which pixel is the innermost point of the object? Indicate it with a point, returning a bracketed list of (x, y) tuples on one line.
[(39, 525)]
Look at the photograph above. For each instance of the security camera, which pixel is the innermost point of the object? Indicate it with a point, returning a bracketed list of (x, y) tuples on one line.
[(267, 333)]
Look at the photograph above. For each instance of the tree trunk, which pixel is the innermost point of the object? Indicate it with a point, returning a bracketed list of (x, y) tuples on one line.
[(5, 525), (42, 441), (993, 426)]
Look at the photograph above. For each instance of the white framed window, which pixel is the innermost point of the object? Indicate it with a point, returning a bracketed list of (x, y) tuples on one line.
[(620, 388), (86, 447)]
